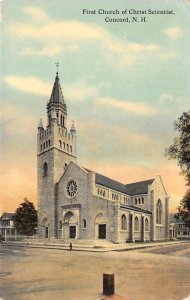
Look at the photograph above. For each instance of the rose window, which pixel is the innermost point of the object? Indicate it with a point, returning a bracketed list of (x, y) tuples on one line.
[(71, 188)]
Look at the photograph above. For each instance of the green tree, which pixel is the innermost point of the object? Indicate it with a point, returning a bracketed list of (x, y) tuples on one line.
[(180, 150), (25, 218), (184, 209)]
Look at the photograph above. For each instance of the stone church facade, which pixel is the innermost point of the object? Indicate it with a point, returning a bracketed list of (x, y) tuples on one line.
[(77, 203)]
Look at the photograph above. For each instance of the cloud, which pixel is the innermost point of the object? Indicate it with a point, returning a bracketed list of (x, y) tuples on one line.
[(78, 91), (47, 51), (130, 107), (58, 36), (30, 85), (36, 13), (173, 32)]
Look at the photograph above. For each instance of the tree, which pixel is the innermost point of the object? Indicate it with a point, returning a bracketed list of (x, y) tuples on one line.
[(180, 150), (184, 209), (25, 218)]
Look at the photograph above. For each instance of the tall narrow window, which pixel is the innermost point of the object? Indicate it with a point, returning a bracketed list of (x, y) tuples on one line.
[(159, 212), (71, 149), (84, 223), (60, 144), (146, 225), (136, 224), (123, 222), (45, 169)]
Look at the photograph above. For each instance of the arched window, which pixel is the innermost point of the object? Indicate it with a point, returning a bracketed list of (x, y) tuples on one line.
[(60, 144), (45, 169), (65, 166), (41, 147), (123, 222), (67, 147), (61, 119), (159, 212), (139, 200), (136, 224), (71, 149), (84, 223), (49, 143), (63, 145), (135, 200), (142, 200), (146, 225), (46, 144)]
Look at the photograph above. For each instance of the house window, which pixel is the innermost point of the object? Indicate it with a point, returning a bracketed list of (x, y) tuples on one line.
[(84, 223), (136, 224), (159, 212), (123, 222), (146, 225), (45, 169)]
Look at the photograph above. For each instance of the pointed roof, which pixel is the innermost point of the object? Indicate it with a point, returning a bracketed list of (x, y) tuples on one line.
[(40, 124), (57, 95), (140, 187), (137, 188)]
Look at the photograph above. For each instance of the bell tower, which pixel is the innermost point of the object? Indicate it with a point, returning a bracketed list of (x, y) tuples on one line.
[(56, 148)]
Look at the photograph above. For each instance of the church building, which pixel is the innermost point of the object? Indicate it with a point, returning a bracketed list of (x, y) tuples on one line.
[(78, 203)]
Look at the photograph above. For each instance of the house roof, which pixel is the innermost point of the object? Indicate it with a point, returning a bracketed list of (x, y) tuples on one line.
[(131, 189), (7, 216)]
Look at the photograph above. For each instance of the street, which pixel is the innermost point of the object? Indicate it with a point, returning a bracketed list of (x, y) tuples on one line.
[(160, 273)]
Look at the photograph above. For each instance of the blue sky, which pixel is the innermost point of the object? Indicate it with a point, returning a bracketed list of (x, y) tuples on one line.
[(124, 85)]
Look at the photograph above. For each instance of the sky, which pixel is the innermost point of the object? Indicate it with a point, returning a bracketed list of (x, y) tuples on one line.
[(124, 83)]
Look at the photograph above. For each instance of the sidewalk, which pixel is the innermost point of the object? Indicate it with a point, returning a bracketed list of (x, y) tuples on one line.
[(91, 248)]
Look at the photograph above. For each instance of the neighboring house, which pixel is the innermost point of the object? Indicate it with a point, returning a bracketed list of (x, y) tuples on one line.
[(77, 203), (7, 225), (180, 229)]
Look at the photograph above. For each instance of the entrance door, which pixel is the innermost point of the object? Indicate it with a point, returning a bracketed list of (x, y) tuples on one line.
[(46, 232), (72, 232), (102, 231)]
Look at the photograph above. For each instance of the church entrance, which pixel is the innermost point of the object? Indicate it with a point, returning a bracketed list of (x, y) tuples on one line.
[(102, 231), (70, 225), (100, 227), (72, 232)]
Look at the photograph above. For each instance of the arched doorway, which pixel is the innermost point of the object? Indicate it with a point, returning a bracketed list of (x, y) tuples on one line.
[(45, 228), (100, 226), (70, 225)]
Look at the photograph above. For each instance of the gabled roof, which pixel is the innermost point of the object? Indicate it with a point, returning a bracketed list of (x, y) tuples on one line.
[(138, 188), (56, 95), (110, 183), (7, 216), (131, 189)]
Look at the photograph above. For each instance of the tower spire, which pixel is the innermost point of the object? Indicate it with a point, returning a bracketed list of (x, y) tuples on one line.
[(57, 95)]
